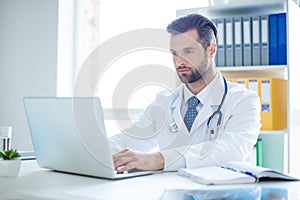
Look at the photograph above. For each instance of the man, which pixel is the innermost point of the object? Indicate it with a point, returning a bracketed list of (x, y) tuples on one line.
[(184, 123)]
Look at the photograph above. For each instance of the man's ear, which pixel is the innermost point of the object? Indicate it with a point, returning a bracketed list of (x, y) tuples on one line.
[(212, 50)]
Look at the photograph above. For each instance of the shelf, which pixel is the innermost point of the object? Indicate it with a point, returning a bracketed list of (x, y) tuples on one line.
[(275, 71), (254, 68), (274, 132), (238, 8), (239, 3)]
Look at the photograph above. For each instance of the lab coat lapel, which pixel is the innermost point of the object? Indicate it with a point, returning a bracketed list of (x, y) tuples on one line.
[(176, 112), (202, 116)]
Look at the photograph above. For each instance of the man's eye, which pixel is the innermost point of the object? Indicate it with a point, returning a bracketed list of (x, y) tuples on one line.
[(188, 51), (174, 53)]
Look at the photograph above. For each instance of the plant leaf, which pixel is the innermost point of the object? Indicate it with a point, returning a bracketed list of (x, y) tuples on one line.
[(9, 155)]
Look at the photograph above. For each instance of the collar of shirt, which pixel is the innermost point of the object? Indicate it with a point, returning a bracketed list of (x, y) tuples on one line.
[(202, 95)]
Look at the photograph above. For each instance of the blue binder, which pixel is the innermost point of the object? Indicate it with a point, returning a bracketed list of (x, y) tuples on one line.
[(273, 35), (282, 54)]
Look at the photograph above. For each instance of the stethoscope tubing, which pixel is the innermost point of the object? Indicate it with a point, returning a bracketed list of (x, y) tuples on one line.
[(218, 111), (174, 128)]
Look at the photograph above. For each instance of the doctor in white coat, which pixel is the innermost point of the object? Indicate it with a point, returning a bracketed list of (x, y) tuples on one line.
[(227, 115)]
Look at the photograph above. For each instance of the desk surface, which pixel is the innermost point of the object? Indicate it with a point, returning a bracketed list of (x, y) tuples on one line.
[(37, 183)]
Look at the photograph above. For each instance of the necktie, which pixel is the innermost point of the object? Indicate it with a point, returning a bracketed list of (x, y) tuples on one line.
[(191, 112)]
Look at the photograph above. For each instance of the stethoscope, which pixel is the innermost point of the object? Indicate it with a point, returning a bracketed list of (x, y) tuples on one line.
[(214, 120), (217, 115)]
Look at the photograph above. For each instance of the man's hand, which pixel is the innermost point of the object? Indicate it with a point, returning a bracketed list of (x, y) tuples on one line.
[(128, 160)]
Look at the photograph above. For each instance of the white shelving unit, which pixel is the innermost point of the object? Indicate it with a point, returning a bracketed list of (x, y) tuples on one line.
[(280, 146)]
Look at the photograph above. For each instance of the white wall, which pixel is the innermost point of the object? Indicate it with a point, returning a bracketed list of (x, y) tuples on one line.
[(28, 56)]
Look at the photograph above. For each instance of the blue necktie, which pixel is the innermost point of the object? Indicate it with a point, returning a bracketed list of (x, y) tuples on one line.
[(191, 112)]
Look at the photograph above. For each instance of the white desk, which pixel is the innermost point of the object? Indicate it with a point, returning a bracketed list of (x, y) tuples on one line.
[(37, 183)]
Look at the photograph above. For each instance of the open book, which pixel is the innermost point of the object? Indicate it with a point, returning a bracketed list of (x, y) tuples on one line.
[(232, 173)]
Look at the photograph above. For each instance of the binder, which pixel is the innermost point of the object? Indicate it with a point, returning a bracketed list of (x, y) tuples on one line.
[(259, 152), (253, 84), (273, 103), (221, 42), (247, 55), (242, 81), (231, 80), (256, 40), (282, 54), (238, 48), (273, 34), (265, 40), (216, 56), (229, 42)]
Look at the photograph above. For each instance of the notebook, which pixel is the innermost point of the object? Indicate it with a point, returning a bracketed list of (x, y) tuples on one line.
[(233, 173), (68, 135)]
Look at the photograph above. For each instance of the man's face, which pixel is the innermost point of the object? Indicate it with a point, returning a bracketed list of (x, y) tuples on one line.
[(190, 58)]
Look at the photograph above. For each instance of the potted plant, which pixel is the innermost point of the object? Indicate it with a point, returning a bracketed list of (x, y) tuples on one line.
[(9, 163)]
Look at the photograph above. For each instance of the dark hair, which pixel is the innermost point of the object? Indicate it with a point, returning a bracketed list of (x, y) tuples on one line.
[(206, 29)]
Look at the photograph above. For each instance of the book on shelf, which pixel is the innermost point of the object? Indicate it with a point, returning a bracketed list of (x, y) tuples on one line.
[(233, 173)]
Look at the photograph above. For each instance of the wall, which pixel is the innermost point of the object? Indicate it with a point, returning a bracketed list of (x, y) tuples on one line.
[(28, 56)]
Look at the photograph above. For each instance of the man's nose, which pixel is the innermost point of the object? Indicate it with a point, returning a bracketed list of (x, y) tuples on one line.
[(179, 61)]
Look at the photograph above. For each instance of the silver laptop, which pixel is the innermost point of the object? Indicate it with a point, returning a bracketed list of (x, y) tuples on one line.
[(68, 135)]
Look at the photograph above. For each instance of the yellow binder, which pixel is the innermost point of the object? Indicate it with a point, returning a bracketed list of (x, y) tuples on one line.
[(273, 92), (253, 84), (243, 81), (231, 79)]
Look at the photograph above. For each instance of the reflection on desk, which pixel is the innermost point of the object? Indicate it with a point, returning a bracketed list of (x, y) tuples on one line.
[(255, 192), (36, 183)]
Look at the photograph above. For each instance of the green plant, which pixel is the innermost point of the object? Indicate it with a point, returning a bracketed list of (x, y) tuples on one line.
[(9, 155)]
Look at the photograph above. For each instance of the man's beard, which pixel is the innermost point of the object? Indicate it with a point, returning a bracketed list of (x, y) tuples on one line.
[(195, 76)]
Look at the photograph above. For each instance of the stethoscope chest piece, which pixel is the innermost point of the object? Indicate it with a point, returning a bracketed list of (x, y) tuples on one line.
[(213, 128), (173, 127)]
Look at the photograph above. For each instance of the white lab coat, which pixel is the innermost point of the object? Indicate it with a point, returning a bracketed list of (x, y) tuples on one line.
[(162, 126)]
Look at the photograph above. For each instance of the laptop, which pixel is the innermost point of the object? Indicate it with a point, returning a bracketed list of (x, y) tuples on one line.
[(68, 135)]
